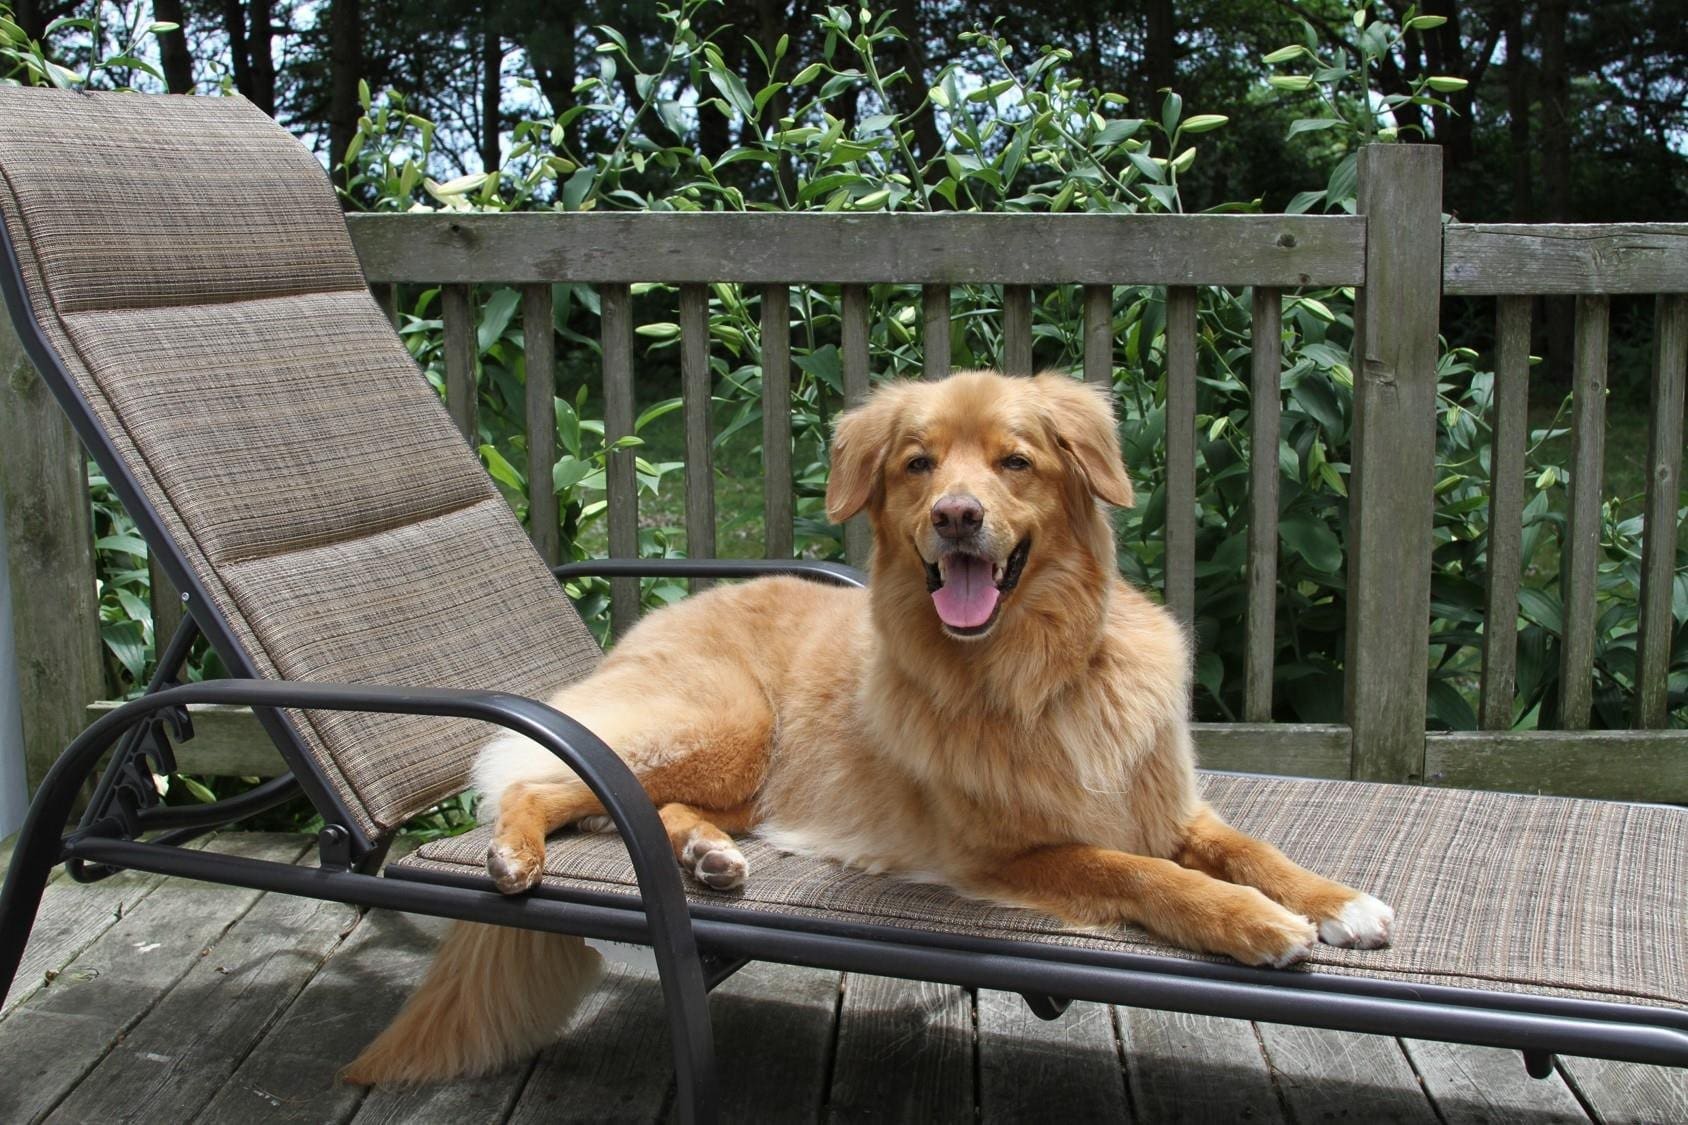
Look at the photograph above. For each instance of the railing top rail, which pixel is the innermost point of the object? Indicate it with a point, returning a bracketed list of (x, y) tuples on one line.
[(954, 248), (1564, 258)]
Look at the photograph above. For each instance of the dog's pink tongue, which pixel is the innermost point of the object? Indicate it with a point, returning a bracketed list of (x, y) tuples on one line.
[(968, 595)]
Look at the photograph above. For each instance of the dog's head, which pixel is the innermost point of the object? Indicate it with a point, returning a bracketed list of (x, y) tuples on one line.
[(980, 487)]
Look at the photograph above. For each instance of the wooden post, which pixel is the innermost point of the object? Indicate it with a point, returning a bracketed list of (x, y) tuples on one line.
[(49, 542), (1394, 460)]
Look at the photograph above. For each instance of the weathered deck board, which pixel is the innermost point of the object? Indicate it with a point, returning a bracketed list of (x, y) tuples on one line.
[(1341, 1076), (905, 1052), (774, 1028), (308, 988), (288, 1076), (1627, 1094), (612, 1064), (1030, 1069), (1489, 1086), (169, 1066), (71, 918), (1196, 1069), (53, 1040)]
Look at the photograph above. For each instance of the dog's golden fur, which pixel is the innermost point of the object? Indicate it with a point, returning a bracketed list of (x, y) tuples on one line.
[(1042, 758)]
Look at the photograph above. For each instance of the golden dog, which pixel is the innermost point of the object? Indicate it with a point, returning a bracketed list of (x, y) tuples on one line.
[(998, 711)]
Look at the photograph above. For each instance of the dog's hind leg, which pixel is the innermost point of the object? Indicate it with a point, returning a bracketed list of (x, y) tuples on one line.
[(1345, 917), (703, 847), (701, 764)]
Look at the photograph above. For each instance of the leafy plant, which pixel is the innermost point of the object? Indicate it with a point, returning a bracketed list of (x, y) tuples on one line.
[(835, 133), (24, 61)]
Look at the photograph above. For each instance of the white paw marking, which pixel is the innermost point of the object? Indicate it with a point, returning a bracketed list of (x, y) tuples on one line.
[(719, 866), (1300, 947), (595, 824), (1364, 923)]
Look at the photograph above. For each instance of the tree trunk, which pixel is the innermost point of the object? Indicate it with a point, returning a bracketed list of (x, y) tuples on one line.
[(234, 26), (550, 45), (1556, 111), (1158, 61), (1445, 54), (173, 47), (262, 61), (492, 95), (772, 19), (1518, 110), (345, 62), (1556, 173), (911, 95)]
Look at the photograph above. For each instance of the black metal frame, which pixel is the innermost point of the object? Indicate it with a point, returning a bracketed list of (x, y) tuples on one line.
[(696, 945)]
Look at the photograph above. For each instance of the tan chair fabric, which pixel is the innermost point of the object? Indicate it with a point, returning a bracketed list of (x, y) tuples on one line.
[(190, 266), (1491, 890)]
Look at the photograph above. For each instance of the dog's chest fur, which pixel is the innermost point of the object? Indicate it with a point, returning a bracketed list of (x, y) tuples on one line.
[(928, 770)]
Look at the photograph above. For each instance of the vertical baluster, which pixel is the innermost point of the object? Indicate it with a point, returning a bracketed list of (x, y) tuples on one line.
[(776, 422), (166, 605), (1580, 560), (700, 461), (1264, 383), (935, 331), (1664, 474), (1099, 335), (1180, 590), (1506, 512), (858, 537), (540, 351), (1017, 329), (386, 294), (620, 482), (460, 396)]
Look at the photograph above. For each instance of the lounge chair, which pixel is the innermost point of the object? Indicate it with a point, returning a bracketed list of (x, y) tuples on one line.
[(180, 274)]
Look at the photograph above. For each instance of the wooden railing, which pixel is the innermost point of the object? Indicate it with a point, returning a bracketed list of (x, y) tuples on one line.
[(1395, 250)]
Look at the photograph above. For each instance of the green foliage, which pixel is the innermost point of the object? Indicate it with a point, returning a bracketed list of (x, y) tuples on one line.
[(1018, 132), (24, 61)]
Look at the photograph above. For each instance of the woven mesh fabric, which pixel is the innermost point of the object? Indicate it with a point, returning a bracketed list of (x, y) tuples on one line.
[(135, 201), (1491, 890), (188, 264)]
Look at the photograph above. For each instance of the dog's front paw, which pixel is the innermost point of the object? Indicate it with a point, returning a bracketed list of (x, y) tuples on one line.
[(1283, 942), (719, 866), (514, 867), (1261, 932), (1363, 922)]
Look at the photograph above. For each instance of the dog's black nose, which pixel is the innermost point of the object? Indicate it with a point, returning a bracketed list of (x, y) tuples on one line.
[(957, 517)]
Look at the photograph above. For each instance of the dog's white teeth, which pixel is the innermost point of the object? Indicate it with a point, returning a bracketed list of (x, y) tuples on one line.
[(997, 572)]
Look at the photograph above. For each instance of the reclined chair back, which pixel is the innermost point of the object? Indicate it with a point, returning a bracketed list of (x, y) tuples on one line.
[(195, 302)]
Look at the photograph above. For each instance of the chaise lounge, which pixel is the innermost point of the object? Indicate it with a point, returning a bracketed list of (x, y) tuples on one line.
[(181, 275)]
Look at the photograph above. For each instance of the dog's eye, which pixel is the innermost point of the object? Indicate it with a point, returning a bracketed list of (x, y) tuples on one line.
[(1016, 463), (920, 464)]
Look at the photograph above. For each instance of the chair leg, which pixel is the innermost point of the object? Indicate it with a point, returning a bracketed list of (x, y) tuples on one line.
[(38, 850)]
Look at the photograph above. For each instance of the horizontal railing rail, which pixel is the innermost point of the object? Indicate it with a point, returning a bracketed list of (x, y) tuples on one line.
[(956, 248)]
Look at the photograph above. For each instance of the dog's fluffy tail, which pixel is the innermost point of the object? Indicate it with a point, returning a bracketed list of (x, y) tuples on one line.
[(492, 996)]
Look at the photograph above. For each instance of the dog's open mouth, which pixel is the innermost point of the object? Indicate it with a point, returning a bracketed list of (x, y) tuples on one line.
[(967, 589)]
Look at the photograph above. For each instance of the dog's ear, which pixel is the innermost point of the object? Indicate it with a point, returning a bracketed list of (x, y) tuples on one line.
[(1080, 420), (860, 445)]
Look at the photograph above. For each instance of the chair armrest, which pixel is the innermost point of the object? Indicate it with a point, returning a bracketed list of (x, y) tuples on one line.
[(609, 778), (663, 896), (836, 574)]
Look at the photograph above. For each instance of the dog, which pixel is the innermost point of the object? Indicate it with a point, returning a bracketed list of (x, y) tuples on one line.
[(999, 711)]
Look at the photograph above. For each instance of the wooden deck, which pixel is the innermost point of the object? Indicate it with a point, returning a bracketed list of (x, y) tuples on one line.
[(151, 1000)]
